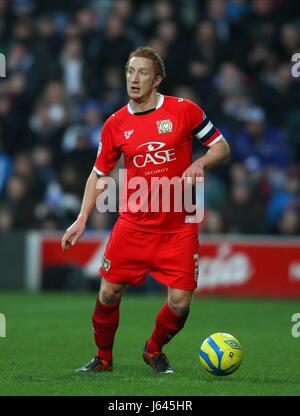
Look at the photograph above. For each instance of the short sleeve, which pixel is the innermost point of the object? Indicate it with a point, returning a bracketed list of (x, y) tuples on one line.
[(108, 154), (201, 127)]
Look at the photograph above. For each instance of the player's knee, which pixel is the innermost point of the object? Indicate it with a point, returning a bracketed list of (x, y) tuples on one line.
[(109, 296), (179, 307), (180, 301)]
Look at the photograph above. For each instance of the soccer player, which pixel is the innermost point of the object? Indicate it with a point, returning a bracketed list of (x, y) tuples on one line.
[(154, 133)]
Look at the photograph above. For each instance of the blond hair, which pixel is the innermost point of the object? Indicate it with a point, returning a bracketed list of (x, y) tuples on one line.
[(147, 52)]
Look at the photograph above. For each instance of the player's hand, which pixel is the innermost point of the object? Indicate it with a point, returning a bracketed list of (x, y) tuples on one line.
[(72, 234), (195, 172)]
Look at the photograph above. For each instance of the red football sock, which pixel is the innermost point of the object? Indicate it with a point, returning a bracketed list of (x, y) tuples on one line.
[(105, 324), (167, 325)]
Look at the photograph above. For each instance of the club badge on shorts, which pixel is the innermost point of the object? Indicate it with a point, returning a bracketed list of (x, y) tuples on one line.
[(164, 126), (105, 266)]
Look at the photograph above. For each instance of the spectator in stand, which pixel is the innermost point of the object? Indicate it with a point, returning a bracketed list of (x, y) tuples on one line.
[(289, 41), (6, 219), (284, 198), (236, 9), (73, 67), (51, 115), (20, 202), (261, 142), (205, 54), (87, 133), (112, 93), (49, 40), (213, 223), (115, 44), (5, 167), (289, 223), (217, 13), (6, 21), (244, 212)]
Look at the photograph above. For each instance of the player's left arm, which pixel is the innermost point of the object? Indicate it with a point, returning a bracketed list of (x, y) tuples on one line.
[(202, 129), (217, 153)]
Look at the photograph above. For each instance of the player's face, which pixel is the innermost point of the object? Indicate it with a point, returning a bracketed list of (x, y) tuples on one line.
[(141, 78)]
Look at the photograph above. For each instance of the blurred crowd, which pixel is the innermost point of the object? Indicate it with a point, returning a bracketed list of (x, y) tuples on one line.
[(65, 75)]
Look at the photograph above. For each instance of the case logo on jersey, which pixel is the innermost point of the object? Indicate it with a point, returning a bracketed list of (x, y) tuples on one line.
[(164, 126), (154, 155), (128, 133)]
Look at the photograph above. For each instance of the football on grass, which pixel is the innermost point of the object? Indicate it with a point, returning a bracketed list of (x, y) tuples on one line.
[(221, 354)]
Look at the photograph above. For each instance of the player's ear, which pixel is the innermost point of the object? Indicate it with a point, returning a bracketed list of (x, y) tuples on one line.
[(158, 80)]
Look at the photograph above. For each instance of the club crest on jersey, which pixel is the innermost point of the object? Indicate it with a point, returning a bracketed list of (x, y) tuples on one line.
[(105, 264), (164, 126), (128, 133)]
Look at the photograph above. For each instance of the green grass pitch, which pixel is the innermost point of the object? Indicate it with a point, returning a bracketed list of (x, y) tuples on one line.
[(49, 335)]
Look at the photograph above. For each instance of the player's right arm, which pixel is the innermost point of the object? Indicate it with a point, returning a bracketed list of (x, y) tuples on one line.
[(108, 155), (75, 231)]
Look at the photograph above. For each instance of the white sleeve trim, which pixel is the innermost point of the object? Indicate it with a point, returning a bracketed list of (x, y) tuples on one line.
[(99, 172), (217, 139)]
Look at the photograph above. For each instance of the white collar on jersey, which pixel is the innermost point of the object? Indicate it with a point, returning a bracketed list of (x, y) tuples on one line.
[(158, 105)]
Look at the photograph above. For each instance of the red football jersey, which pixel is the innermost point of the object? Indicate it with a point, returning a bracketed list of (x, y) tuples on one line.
[(155, 143)]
